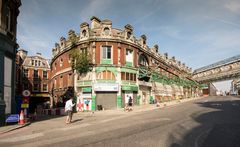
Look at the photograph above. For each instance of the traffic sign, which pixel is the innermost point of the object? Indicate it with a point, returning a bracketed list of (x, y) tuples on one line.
[(26, 93)]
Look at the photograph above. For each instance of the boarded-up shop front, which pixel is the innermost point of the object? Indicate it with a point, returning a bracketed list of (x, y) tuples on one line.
[(106, 95), (159, 92)]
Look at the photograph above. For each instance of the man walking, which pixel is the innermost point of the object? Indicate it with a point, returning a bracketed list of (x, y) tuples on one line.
[(68, 108)]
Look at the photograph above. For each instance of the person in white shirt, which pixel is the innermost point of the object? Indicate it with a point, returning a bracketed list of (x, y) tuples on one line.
[(68, 108)]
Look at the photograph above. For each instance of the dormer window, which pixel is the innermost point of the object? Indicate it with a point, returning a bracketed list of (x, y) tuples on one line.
[(129, 35), (84, 33), (106, 31)]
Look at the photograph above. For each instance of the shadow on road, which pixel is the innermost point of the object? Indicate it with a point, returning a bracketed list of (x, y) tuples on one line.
[(76, 120), (219, 126)]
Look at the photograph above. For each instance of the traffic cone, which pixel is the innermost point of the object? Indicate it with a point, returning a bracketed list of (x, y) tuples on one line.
[(21, 119)]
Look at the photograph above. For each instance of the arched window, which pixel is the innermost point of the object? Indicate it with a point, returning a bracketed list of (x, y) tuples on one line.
[(106, 75), (84, 33), (106, 31), (143, 60), (129, 35)]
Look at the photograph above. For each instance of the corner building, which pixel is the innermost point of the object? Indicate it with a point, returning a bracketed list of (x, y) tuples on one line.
[(9, 11), (123, 66)]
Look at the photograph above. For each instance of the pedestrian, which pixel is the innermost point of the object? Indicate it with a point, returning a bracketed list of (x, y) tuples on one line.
[(130, 101), (68, 109), (79, 105)]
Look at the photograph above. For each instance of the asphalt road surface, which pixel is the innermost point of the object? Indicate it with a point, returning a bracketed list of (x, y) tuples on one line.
[(206, 122)]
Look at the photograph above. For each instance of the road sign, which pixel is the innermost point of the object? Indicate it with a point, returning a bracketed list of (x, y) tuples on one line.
[(26, 93)]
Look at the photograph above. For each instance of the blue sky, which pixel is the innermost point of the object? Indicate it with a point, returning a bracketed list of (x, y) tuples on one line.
[(196, 32)]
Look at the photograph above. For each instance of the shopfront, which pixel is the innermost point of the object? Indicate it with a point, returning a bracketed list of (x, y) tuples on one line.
[(145, 92), (106, 95), (129, 91), (159, 92), (169, 93)]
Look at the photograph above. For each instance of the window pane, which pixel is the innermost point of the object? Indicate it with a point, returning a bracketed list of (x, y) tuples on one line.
[(134, 77), (123, 76), (109, 52), (127, 76), (104, 75), (131, 76), (104, 52), (109, 75)]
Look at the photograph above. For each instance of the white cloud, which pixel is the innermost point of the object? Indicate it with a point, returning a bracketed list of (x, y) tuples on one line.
[(233, 6)]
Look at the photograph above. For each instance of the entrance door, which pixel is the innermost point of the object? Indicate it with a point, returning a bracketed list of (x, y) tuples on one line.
[(144, 97)]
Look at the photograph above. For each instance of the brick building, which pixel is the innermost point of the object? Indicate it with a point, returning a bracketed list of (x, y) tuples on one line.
[(33, 75), (123, 66), (9, 10)]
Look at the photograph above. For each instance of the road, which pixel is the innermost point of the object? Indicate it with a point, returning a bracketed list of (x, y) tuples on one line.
[(206, 122)]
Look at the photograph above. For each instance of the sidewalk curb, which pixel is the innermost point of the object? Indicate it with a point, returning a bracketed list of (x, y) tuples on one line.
[(15, 128)]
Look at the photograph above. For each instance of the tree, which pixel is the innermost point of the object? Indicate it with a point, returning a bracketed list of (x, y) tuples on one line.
[(80, 61)]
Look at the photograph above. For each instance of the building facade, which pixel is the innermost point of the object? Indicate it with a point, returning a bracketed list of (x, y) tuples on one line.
[(8, 25), (122, 66), (33, 75), (235, 87)]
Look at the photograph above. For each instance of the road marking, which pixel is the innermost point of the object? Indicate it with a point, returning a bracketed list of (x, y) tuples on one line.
[(22, 138), (235, 104)]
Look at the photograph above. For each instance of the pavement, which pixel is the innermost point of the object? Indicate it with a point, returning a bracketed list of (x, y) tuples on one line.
[(60, 120)]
